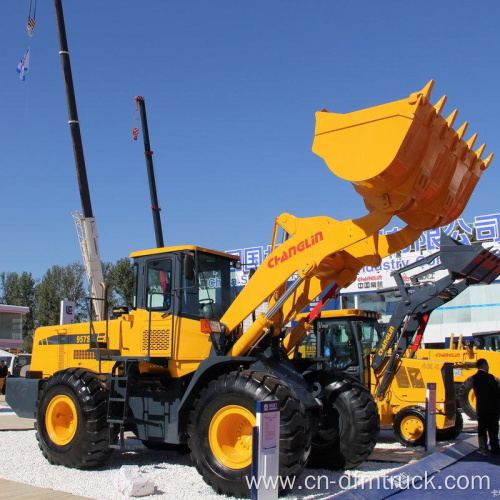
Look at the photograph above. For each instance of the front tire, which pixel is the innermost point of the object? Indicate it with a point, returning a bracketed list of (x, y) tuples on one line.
[(409, 426), (220, 429), (349, 427), (71, 420)]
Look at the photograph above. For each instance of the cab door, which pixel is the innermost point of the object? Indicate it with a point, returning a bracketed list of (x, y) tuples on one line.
[(157, 325), (340, 346)]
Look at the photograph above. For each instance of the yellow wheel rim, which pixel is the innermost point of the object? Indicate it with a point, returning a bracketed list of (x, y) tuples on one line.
[(472, 398), (230, 436), (412, 428), (61, 419)]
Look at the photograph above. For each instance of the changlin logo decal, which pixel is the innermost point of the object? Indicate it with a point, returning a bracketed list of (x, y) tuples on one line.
[(295, 249), (387, 337)]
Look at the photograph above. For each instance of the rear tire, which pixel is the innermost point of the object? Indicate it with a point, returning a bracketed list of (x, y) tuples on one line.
[(409, 426), (220, 426), (71, 420), (467, 399), (451, 432), (350, 426)]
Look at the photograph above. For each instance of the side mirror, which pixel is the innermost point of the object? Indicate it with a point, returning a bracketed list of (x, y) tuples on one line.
[(188, 270)]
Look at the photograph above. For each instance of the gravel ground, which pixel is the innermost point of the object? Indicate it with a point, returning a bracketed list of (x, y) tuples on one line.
[(171, 471)]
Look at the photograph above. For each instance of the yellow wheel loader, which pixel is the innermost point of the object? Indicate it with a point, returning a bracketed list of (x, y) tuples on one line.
[(464, 357), (179, 367), (345, 341)]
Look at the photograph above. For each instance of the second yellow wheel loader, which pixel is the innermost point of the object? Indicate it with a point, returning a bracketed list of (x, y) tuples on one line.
[(351, 341), (180, 368), (464, 357)]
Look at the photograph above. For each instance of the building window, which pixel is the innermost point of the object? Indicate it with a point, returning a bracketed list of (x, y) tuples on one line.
[(11, 326)]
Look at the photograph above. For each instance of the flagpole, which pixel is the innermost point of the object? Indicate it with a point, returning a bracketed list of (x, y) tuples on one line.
[(74, 124)]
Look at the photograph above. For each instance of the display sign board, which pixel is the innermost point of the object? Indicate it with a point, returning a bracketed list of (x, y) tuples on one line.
[(265, 451), (67, 315), (430, 418)]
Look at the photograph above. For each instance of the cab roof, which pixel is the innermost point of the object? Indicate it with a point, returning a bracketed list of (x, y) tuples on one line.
[(485, 334), (344, 313), (180, 248)]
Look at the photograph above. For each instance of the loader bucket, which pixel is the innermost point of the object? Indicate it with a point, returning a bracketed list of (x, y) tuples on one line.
[(404, 158), (473, 262)]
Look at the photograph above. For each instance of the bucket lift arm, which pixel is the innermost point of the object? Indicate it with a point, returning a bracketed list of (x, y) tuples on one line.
[(382, 151)]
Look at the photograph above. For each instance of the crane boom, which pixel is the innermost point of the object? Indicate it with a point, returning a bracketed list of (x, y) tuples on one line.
[(87, 230), (148, 154)]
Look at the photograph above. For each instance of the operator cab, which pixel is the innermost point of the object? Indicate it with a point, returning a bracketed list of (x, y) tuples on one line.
[(188, 281), (487, 341), (343, 340)]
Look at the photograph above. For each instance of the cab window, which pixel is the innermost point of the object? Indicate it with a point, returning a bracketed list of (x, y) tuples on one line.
[(211, 290), (308, 346), (159, 285), (370, 335), (491, 343), (338, 344)]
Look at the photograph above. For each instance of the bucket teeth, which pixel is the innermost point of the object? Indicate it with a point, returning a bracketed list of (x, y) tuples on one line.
[(425, 93), (451, 119), (479, 152), (461, 130), (487, 161), (471, 141), (440, 104)]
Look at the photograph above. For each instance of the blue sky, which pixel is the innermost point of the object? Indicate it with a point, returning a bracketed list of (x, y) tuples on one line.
[(231, 89)]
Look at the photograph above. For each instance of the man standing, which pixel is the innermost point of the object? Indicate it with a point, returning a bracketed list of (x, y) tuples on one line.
[(487, 407), (4, 371)]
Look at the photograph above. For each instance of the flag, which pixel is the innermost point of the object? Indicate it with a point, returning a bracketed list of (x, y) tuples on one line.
[(23, 66)]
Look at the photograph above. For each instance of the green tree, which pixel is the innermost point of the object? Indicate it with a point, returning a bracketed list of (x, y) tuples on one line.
[(27, 297), (10, 287), (61, 283), (120, 280), (28, 343)]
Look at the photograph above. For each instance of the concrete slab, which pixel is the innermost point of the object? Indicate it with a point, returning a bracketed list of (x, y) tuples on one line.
[(21, 491), (9, 421), (14, 423), (398, 455)]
